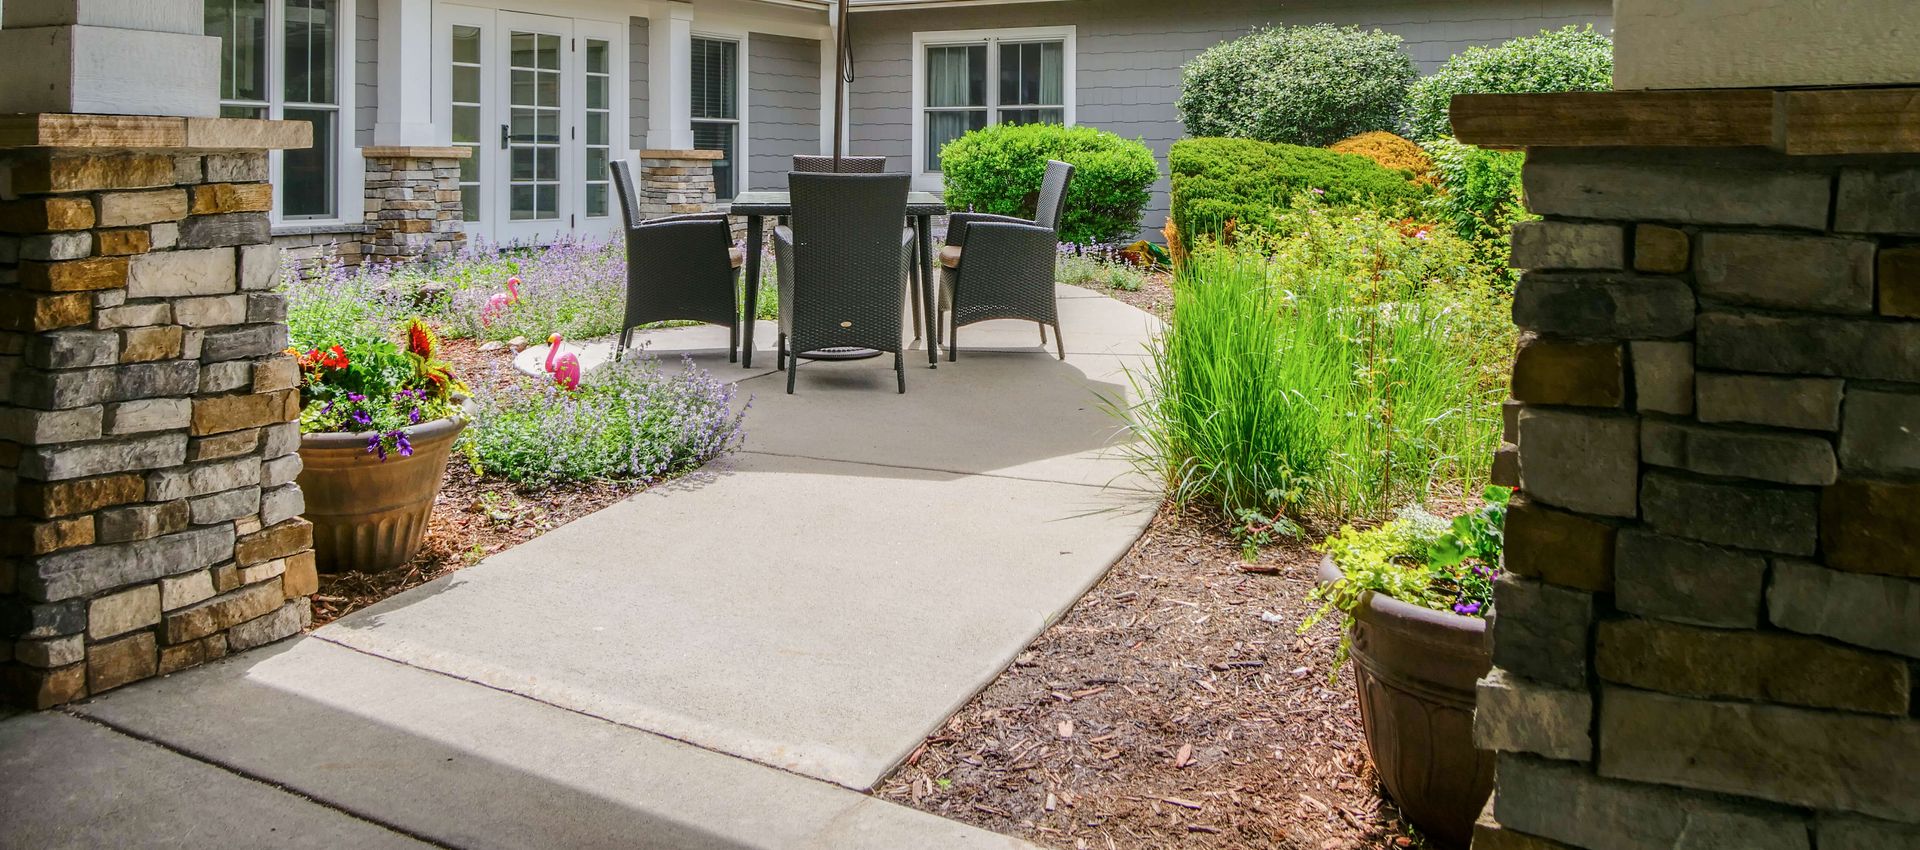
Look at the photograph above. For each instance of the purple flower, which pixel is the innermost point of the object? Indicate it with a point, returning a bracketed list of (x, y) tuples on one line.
[(1466, 608), (400, 440)]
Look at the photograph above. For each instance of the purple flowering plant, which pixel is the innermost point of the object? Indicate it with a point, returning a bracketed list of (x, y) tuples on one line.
[(1417, 558), (630, 420)]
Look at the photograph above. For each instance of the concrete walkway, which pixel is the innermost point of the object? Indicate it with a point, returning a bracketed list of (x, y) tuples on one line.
[(728, 661)]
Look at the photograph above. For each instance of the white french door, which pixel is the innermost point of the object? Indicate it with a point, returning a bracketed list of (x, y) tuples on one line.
[(540, 100)]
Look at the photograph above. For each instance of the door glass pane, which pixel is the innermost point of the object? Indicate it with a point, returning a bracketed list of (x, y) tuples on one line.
[(466, 116), (309, 33), (466, 45), (944, 126), (533, 118), (716, 136), (957, 75), (597, 140), (466, 83), (307, 178)]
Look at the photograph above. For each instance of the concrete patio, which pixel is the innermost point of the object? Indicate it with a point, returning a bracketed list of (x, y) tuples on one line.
[(728, 661)]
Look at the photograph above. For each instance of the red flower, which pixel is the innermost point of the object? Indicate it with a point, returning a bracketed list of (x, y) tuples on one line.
[(420, 339), (335, 358)]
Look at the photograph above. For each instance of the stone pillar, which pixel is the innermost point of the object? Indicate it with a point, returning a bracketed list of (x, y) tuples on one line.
[(1709, 624), (413, 202), (151, 519), (675, 182)]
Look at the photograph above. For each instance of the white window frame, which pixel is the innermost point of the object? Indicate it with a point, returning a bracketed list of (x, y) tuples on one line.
[(930, 181), (350, 170), (743, 134)]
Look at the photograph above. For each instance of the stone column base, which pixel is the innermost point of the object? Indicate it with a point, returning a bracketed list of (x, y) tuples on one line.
[(413, 202)]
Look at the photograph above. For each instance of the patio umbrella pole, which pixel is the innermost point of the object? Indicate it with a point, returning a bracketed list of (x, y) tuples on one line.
[(841, 77)]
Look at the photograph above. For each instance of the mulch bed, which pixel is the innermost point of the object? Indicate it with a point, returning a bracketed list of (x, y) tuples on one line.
[(1174, 706), (472, 517), (1155, 297)]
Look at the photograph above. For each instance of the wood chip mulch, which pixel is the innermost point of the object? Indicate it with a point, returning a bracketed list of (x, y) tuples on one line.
[(1175, 706), (1155, 297), (473, 517)]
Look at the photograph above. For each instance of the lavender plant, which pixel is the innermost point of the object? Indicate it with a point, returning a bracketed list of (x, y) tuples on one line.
[(631, 420), (575, 287)]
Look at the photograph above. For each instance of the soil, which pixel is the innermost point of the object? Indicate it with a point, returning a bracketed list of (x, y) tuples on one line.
[(473, 517), (1175, 706), (1155, 297)]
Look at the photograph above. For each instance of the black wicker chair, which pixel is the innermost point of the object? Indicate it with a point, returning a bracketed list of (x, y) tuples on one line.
[(1001, 267), (843, 268), (848, 164), (679, 268)]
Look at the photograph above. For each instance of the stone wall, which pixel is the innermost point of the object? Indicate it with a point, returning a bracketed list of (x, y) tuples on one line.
[(413, 202), (676, 183), (147, 433), (1710, 621)]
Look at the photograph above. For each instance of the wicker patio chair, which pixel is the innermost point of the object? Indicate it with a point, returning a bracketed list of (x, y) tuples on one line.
[(843, 268), (848, 164), (679, 268), (1001, 267)]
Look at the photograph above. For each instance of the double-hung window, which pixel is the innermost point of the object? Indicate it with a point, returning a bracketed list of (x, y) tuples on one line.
[(716, 108), (968, 80), (281, 59)]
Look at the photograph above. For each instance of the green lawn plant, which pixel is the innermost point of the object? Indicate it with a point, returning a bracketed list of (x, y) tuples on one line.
[(1099, 270), (1303, 85), (998, 170), (1481, 197), (1336, 370)]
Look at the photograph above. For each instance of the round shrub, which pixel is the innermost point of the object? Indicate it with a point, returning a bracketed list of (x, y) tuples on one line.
[(1390, 151), (1310, 85), (1567, 59), (998, 170), (1248, 183)]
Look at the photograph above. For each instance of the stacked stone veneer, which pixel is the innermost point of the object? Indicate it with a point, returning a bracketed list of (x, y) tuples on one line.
[(1708, 629), (413, 202), (148, 456)]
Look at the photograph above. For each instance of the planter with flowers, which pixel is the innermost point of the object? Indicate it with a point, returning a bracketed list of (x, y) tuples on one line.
[(1415, 593), (377, 422)]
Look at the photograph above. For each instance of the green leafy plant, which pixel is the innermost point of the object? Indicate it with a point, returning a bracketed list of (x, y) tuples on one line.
[(1416, 558), (1255, 529), (1099, 271), (1336, 366), (1567, 59), (998, 170), (1480, 198), (1306, 85), (1222, 185)]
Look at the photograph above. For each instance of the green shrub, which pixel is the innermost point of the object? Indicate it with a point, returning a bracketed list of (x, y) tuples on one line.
[(1568, 59), (1309, 85), (630, 420), (1335, 372), (1216, 181), (1480, 196), (998, 170)]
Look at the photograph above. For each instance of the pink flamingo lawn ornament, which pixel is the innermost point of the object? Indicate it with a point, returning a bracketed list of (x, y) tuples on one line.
[(566, 368), (498, 302)]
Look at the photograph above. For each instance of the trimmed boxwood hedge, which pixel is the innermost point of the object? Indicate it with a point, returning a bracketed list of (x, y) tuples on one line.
[(1220, 180), (998, 170)]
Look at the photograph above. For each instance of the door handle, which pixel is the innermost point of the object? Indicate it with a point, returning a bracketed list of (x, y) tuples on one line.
[(506, 135)]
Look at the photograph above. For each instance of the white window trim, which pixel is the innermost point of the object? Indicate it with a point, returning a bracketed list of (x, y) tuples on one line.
[(924, 180), (350, 175), (743, 135)]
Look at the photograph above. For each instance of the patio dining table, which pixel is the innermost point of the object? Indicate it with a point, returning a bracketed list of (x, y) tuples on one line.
[(755, 207)]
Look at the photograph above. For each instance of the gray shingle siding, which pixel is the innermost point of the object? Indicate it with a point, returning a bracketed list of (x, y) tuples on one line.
[(366, 70), (637, 59), (783, 106), (1130, 52)]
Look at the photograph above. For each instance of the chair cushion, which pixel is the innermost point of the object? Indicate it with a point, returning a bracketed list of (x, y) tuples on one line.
[(737, 257), (950, 256)]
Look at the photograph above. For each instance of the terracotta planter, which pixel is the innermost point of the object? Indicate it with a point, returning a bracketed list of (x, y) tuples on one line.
[(368, 514), (1415, 669)]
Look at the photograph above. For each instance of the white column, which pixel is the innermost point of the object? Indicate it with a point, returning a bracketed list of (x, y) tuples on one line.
[(404, 116), (108, 57), (670, 78)]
